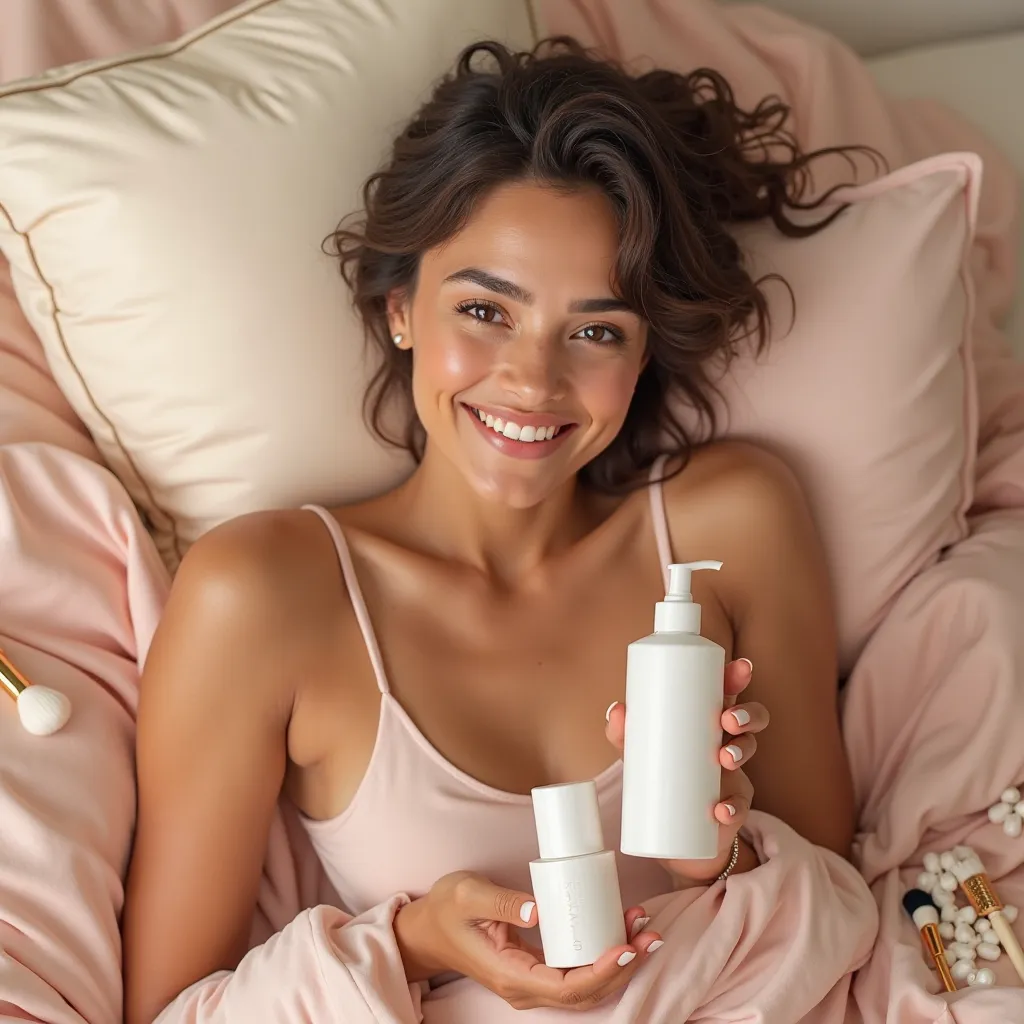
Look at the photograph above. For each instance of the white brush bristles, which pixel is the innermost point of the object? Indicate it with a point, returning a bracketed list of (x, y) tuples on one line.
[(968, 868), (43, 711), (925, 915)]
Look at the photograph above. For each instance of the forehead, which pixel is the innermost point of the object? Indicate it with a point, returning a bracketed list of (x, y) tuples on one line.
[(543, 238)]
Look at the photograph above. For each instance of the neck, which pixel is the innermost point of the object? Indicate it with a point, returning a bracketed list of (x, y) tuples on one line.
[(454, 521)]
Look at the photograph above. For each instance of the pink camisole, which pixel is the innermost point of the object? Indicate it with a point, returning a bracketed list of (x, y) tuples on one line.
[(416, 817)]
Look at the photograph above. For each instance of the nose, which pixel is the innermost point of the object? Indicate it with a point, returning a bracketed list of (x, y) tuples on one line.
[(532, 370)]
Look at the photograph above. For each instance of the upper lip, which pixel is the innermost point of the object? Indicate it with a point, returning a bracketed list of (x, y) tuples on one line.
[(523, 419)]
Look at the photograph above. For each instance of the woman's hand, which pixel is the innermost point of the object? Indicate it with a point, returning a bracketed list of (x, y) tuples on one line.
[(740, 722), (468, 925)]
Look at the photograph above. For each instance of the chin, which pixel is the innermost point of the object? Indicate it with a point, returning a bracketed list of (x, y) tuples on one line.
[(516, 490)]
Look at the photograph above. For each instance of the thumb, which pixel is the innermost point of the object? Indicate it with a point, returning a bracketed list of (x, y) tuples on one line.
[(615, 730), (491, 902)]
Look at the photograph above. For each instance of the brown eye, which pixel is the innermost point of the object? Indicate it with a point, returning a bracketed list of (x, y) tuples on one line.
[(482, 311), (600, 334)]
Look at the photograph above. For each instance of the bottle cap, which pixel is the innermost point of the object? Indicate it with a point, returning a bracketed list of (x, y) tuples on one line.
[(678, 613), (568, 820)]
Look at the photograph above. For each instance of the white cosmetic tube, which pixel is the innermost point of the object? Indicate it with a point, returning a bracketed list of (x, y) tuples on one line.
[(575, 882)]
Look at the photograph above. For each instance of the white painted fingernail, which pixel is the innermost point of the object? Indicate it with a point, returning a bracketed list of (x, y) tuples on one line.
[(730, 809), (638, 926), (749, 662), (608, 713), (736, 753), (626, 957), (742, 717), (526, 912), (655, 946)]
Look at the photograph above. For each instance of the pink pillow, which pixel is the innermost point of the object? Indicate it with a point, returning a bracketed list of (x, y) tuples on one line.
[(869, 393)]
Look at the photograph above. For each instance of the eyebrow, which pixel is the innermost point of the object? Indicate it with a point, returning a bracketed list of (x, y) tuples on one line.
[(501, 286)]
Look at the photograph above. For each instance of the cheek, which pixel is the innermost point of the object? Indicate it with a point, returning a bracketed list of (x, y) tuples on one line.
[(606, 392), (447, 364)]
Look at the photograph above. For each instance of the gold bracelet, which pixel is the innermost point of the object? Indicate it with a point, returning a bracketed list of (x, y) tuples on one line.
[(733, 860)]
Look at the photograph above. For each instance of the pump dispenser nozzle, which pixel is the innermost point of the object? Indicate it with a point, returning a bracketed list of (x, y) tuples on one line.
[(678, 613)]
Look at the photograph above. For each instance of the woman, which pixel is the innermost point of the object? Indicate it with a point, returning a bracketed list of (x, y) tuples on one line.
[(546, 268)]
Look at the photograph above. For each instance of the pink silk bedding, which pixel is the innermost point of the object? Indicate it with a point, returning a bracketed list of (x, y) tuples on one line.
[(933, 712)]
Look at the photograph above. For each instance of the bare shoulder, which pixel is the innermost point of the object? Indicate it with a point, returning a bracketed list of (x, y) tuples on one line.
[(258, 565), (258, 590), (730, 486), (743, 505)]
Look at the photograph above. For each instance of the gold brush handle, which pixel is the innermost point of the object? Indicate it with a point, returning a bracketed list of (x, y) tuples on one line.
[(936, 949), (11, 679)]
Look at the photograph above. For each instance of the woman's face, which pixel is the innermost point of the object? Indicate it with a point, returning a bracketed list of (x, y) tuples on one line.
[(524, 359)]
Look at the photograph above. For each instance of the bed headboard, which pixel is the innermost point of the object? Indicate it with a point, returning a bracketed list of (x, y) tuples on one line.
[(880, 26)]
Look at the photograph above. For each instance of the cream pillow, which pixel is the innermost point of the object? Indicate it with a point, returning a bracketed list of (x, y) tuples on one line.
[(163, 215)]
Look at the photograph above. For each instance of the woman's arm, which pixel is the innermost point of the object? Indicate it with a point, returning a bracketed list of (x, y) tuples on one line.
[(775, 590), (215, 701)]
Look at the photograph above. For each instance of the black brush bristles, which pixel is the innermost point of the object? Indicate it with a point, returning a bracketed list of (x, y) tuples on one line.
[(915, 899)]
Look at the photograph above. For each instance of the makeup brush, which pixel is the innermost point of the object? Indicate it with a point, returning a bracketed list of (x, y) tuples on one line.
[(42, 711), (977, 887), (918, 904)]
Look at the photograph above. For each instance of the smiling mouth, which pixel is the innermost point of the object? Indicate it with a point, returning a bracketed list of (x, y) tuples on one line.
[(515, 432)]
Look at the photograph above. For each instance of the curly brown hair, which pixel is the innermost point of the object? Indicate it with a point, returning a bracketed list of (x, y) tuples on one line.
[(678, 160)]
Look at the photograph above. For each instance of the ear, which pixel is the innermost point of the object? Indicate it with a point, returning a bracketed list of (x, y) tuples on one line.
[(398, 315)]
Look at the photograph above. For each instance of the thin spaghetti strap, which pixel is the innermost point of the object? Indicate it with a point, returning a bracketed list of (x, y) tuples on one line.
[(355, 593), (659, 519)]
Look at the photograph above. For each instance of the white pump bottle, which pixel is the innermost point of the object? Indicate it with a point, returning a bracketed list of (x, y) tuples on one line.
[(674, 698)]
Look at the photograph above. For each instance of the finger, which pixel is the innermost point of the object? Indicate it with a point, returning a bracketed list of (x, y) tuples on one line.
[(648, 943), (739, 750), (482, 900), (611, 971), (517, 944), (615, 729), (636, 921), (536, 984), (522, 957), (732, 812), (737, 676), (589, 986), (529, 986), (523, 981), (743, 718)]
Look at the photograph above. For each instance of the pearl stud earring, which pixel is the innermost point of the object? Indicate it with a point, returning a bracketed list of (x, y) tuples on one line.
[(397, 339)]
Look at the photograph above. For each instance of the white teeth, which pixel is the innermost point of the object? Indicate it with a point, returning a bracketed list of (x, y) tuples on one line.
[(513, 431)]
